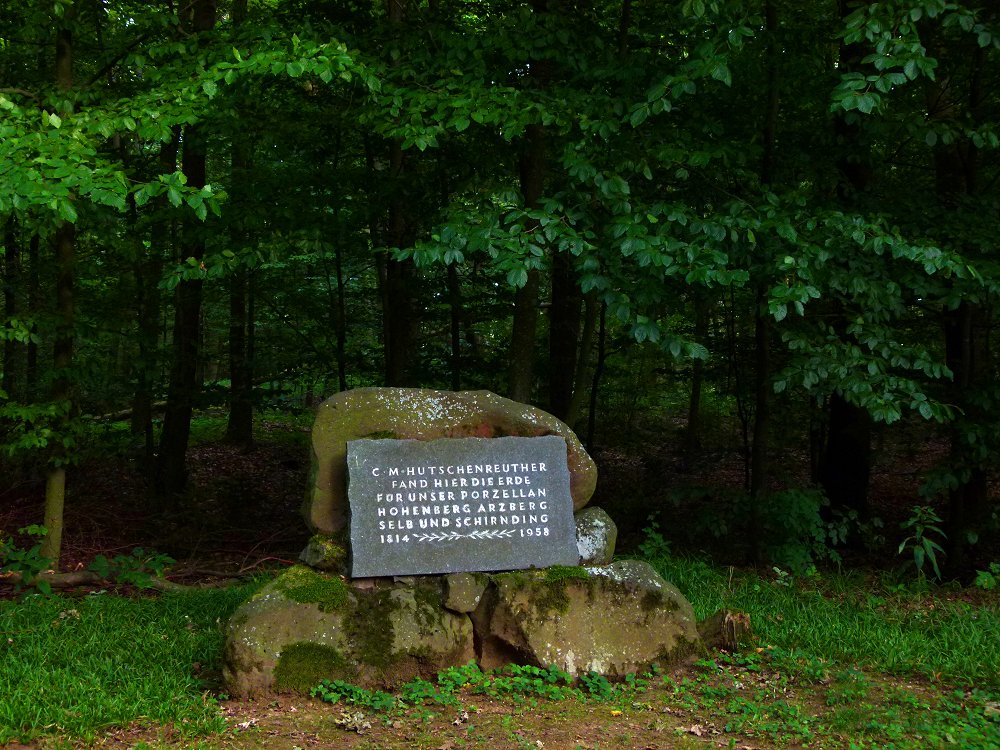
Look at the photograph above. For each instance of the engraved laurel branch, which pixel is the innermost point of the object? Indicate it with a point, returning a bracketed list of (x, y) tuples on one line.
[(452, 536)]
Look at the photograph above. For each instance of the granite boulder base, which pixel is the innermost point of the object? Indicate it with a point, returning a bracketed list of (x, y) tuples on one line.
[(306, 626), (421, 414)]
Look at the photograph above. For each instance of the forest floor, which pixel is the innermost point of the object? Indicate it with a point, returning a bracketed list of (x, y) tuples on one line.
[(243, 510), (242, 516)]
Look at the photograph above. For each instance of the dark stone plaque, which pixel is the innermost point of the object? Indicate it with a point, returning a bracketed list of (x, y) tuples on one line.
[(462, 504)]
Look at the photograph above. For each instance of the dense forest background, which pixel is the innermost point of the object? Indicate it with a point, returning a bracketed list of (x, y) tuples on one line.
[(768, 226)]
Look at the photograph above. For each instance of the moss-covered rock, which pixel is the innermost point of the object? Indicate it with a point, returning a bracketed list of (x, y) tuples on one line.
[(421, 414), (326, 553), (305, 626), (612, 620)]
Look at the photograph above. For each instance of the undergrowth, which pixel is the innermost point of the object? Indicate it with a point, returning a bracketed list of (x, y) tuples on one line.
[(850, 618), (73, 666), (823, 668)]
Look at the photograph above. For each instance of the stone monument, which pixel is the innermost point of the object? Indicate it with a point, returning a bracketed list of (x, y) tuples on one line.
[(458, 505), (445, 533)]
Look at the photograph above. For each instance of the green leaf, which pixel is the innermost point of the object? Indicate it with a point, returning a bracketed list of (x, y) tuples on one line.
[(66, 210), (517, 277)]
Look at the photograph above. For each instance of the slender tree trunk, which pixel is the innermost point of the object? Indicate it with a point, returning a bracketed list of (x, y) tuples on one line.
[(148, 271), (844, 465), (398, 310), (239, 428), (521, 372), (564, 334), (762, 417), (11, 283), (399, 319), (759, 463), (966, 329), (602, 356), (65, 254), (966, 344), (455, 311), (34, 305), (341, 315), (582, 376), (183, 386), (692, 435)]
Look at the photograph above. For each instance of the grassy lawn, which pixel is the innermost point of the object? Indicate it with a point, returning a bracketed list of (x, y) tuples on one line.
[(837, 661)]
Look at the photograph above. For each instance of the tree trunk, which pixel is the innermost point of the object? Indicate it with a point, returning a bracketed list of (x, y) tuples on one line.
[(521, 357), (172, 469), (966, 344), (11, 283), (239, 428), (692, 435), (148, 270), (455, 311), (65, 253), (564, 334), (582, 376), (966, 329), (844, 464), (762, 418), (398, 311), (55, 482), (602, 355), (341, 317), (34, 305), (759, 465)]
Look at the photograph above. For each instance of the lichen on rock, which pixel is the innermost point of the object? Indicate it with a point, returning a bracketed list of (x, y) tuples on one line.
[(421, 414), (596, 536), (381, 636), (612, 620)]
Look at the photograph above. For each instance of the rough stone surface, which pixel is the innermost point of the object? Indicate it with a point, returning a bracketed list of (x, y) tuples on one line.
[(378, 637), (596, 535), (612, 620), (421, 414), (324, 553), (464, 591)]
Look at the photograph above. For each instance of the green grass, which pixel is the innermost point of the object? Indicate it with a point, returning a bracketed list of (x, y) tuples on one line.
[(844, 619), (828, 651), (74, 666)]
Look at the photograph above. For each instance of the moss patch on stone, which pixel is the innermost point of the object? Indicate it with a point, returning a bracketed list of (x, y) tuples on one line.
[(303, 665), (325, 552), (548, 588), (653, 600), (300, 584), (382, 435), (369, 629), (565, 572)]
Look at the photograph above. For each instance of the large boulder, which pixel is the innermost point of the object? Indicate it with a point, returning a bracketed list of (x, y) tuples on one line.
[(306, 626), (613, 620), (421, 414)]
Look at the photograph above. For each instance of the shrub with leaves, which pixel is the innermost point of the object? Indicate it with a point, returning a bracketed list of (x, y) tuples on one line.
[(923, 525)]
